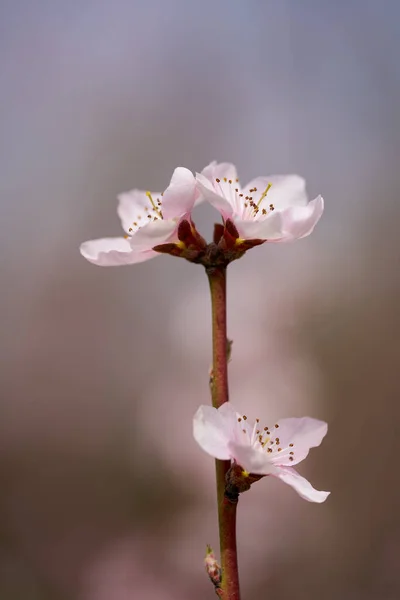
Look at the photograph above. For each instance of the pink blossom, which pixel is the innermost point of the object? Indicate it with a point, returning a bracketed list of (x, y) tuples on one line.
[(261, 450), (149, 219), (274, 208)]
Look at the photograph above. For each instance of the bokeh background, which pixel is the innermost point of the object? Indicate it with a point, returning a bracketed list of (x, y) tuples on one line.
[(104, 494)]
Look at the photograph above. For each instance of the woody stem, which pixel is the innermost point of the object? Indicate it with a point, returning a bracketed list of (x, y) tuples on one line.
[(219, 388)]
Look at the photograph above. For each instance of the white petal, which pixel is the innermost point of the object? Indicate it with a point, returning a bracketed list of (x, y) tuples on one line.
[(152, 234), (211, 431), (179, 197), (131, 205), (300, 484), (216, 170), (303, 433), (209, 194), (285, 191), (299, 221), (112, 252), (269, 228), (251, 459)]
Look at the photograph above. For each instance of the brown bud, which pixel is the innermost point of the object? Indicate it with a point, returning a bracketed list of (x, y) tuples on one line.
[(231, 228), (218, 232)]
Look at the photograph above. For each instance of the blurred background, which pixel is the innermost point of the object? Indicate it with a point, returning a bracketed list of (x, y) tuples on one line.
[(104, 494)]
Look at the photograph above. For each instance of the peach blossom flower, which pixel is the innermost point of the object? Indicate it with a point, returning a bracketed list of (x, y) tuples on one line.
[(149, 219), (227, 435), (275, 208)]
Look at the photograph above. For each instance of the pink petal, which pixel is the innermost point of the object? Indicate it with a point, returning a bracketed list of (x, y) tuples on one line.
[(211, 432), (209, 193), (112, 252), (268, 229), (179, 197), (131, 205), (152, 234), (304, 433), (251, 459), (285, 191), (216, 170), (300, 484), (299, 221)]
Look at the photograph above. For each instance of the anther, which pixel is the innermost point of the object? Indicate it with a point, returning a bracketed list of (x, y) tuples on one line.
[(291, 453), (244, 417), (291, 458), (218, 180), (276, 425), (291, 445), (230, 181), (239, 419), (225, 179)]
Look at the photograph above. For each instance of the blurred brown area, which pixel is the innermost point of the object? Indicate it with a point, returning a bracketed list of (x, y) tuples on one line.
[(104, 493)]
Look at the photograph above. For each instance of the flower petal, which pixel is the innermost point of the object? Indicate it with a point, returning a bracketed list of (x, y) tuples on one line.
[(111, 252), (303, 433), (287, 225), (269, 228), (221, 171), (285, 190), (132, 208), (300, 484), (251, 459), (179, 197), (211, 431), (152, 234), (299, 221), (209, 193)]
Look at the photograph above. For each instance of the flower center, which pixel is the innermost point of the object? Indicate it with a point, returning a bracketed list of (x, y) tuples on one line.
[(263, 439), (245, 206), (151, 212)]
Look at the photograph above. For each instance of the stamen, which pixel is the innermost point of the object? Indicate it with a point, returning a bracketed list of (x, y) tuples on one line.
[(265, 192), (148, 194)]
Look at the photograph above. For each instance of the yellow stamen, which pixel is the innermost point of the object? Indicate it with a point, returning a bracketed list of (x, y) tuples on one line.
[(265, 192), (155, 207)]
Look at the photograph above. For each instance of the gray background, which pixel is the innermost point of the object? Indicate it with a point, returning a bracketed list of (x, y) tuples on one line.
[(104, 494)]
